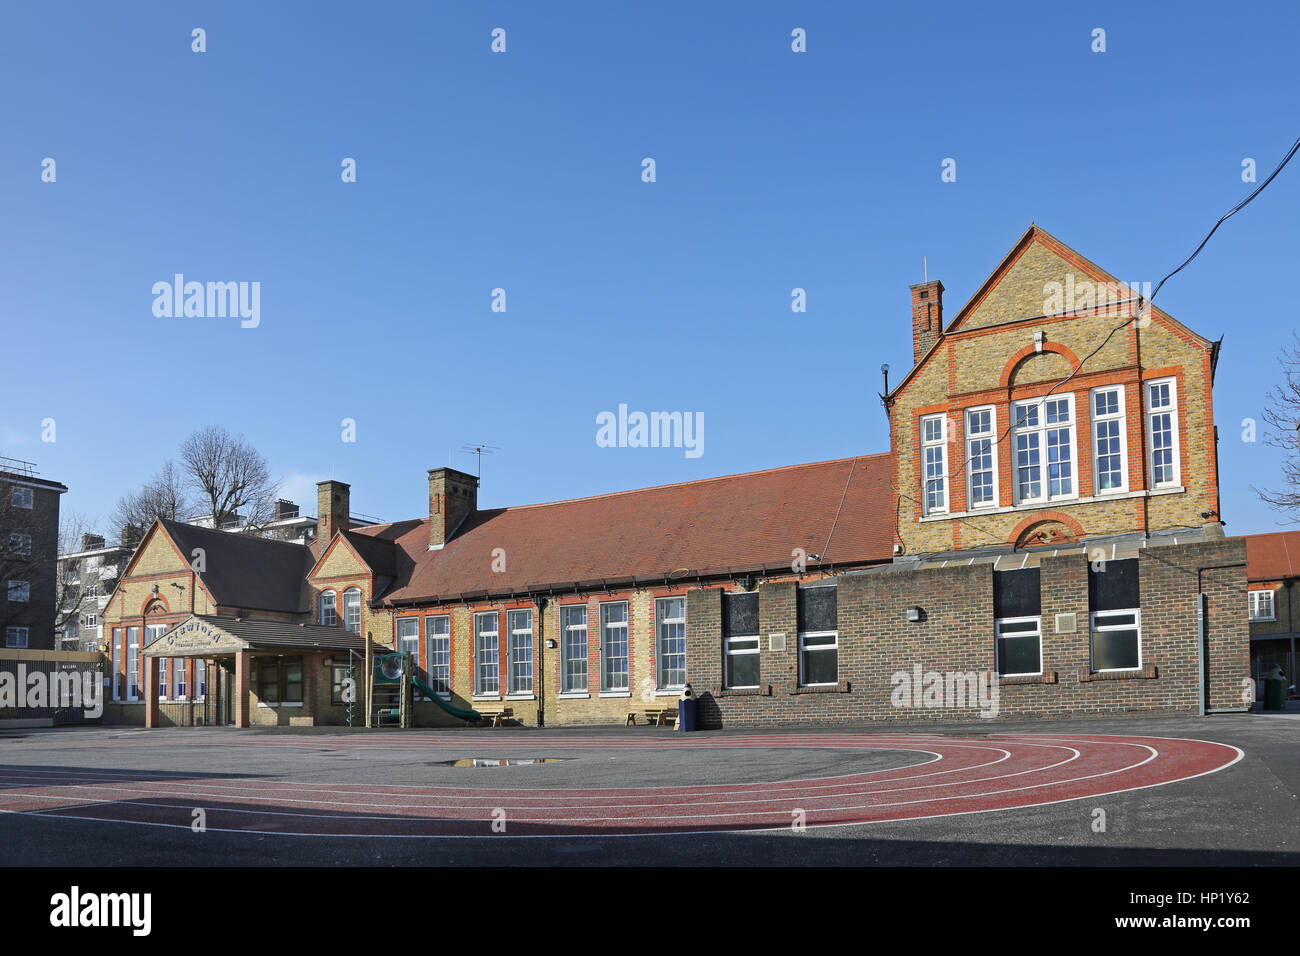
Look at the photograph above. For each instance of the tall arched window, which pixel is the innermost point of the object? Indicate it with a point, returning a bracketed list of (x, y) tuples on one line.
[(352, 610), (329, 614)]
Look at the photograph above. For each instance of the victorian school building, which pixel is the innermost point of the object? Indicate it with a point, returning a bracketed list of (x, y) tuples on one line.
[(1046, 521)]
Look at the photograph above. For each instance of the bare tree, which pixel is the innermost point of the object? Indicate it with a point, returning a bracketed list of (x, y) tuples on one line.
[(1282, 416), (231, 476), (72, 600), (162, 496)]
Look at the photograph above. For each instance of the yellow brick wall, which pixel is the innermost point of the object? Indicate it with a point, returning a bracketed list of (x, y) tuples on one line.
[(340, 561), (1284, 613), (966, 370), (340, 571), (158, 563), (641, 694)]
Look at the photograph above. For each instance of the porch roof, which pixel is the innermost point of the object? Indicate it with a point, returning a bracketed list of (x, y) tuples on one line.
[(203, 635)]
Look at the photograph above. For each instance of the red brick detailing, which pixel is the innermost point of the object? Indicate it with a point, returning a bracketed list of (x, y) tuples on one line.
[(1004, 381), (927, 317), (243, 688), (150, 691), (1039, 517)]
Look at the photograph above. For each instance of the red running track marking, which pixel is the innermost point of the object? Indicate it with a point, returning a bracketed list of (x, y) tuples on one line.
[(952, 775)]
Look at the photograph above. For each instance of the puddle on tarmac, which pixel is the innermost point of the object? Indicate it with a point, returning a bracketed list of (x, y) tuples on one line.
[(507, 762)]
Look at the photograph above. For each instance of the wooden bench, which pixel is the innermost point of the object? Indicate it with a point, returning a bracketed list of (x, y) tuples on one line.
[(495, 717), (657, 717)]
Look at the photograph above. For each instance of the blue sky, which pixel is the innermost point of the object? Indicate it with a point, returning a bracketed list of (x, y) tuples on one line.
[(522, 171)]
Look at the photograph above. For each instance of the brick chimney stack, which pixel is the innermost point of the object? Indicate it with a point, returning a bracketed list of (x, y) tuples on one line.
[(453, 496), (927, 316), (333, 507)]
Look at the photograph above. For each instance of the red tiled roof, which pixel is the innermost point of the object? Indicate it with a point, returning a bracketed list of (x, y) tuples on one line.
[(737, 522), (1273, 556)]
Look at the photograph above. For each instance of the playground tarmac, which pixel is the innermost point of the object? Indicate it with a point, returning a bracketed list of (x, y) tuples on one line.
[(1176, 791)]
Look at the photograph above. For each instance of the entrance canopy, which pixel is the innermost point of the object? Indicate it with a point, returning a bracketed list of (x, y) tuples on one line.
[(202, 635)]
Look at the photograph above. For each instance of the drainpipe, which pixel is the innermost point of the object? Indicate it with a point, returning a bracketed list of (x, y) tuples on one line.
[(1200, 646), (539, 671)]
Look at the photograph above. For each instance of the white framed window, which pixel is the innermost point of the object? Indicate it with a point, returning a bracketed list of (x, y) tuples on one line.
[(21, 544), (573, 648), (92, 620), (1262, 606), (1116, 640), (1043, 443), (817, 620), (1019, 646), (741, 663), (819, 658), (20, 591), (1162, 432), (670, 643), (117, 663), (16, 637), (329, 614), (613, 647), (519, 651), (20, 497), (133, 663), (180, 689), (1109, 447), (201, 678), (437, 652), (352, 610), (982, 458), (151, 633), (408, 641), (742, 668), (934, 463), (487, 653)]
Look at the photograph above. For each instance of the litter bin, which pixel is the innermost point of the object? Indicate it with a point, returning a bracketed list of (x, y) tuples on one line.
[(1275, 693), (686, 713), (686, 707)]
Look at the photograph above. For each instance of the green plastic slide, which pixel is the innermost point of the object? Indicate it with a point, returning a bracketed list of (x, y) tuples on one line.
[(462, 713)]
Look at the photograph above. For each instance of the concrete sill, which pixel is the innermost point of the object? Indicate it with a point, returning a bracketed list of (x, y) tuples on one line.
[(1047, 678), (843, 687), (1145, 672)]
